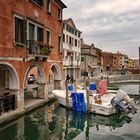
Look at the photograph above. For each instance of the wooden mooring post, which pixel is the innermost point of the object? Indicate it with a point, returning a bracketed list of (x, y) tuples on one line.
[(87, 95), (67, 94)]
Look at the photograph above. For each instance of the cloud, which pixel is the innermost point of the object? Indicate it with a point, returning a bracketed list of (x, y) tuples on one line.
[(110, 24)]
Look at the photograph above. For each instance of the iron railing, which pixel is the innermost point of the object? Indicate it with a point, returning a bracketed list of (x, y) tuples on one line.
[(38, 48)]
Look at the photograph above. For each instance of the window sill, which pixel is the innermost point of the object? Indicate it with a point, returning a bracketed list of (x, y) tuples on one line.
[(17, 44)]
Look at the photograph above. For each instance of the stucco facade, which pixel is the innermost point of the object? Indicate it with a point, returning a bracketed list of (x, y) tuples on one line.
[(31, 37), (71, 49)]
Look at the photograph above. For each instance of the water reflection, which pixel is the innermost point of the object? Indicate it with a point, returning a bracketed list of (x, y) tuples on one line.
[(57, 123), (113, 122)]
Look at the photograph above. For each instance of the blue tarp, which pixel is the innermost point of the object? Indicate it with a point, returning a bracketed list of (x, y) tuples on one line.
[(78, 102), (70, 88), (92, 86)]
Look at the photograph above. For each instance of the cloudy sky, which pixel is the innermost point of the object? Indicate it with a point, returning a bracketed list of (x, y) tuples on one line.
[(112, 25)]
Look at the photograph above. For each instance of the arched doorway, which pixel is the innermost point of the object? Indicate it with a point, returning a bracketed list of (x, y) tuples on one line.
[(34, 83), (54, 79), (9, 87)]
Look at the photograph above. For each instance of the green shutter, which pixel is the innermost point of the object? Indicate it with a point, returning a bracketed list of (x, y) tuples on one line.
[(39, 34), (16, 30)]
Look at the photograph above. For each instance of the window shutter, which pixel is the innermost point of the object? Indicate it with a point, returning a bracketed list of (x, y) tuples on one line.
[(24, 31), (16, 30)]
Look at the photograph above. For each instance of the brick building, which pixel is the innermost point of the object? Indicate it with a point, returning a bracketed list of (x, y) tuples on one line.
[(30, 44), (109, 62)]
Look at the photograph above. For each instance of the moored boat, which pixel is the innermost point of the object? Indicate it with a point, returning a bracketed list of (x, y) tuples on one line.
[(103, 108)]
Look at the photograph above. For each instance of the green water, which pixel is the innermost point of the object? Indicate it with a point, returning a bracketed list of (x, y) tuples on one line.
[(53, 122)]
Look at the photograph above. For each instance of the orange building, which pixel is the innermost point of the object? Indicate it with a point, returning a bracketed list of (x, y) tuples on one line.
[(30, 37)]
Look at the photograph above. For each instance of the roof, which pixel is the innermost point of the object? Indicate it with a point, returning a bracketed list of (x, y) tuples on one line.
[(59, 2), (86, 46), (70, 22)]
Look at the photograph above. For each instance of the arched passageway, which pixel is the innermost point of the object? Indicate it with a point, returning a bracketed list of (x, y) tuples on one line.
[(54, 79), (9, 88), (34, 82)]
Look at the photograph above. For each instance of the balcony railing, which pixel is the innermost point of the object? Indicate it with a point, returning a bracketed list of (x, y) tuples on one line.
[(36, 48)]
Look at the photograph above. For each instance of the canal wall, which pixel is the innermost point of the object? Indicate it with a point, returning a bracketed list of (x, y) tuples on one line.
[(9, 116)]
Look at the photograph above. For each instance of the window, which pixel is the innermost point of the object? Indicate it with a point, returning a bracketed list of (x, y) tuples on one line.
[(48, 37), (69, 40), (48, 6), (59, 43), (39, 34), (75, 33), (59, 14), (20, 30), (67, 27), (72, 41), (35, 37), (63, 37), (31, 32), (82, 59), (79, 35), (35, 32), (63, 26), (75, 42), (39, 2)]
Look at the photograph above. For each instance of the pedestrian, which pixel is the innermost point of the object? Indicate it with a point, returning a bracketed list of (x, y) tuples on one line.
[(67, 77), (71, 79)]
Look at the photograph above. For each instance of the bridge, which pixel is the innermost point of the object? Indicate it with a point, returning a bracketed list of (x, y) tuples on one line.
[(130, 78)]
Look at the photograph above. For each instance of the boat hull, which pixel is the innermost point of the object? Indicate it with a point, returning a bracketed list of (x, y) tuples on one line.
[(104, 109)]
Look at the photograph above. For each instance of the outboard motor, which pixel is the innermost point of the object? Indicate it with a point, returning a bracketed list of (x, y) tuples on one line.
[(123, 103)]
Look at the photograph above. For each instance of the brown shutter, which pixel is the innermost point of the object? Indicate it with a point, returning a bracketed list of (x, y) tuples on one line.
[(16, 30), (24, 31)]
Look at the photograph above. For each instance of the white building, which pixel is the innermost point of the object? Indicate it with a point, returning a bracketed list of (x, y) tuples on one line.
[(71, 49), (124, 61)]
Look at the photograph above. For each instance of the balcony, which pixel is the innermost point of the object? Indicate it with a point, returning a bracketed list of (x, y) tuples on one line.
[(38, 49)]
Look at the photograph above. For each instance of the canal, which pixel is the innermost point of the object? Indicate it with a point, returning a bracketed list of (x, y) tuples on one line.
[(54, 122)]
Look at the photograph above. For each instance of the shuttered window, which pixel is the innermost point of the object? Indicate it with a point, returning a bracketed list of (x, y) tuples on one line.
[(59, 14), (39, 34), (20, 30), (59, 44), (48, 37), (48, 5)]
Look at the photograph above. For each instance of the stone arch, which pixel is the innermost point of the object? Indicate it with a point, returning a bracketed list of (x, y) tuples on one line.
[(12, 75), (41, 74), (55, 82), (36, 88), (57, 71)]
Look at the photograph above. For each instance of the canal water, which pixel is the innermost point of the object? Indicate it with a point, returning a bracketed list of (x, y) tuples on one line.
[(54, 122)]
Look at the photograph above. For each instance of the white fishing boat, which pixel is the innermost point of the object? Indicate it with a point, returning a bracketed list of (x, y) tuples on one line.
[(104, 107)]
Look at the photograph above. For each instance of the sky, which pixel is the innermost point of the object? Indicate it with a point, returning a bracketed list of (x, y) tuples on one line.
[(112, 25)]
